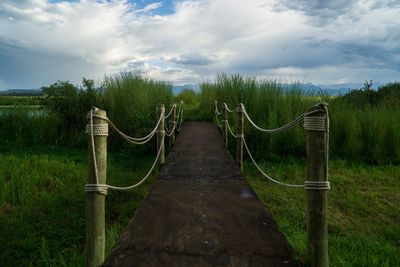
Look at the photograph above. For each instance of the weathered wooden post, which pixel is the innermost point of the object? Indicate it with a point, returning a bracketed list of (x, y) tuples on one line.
[(172, 123), (95, 192), (225, 124), (239, 135), (317, 185), (161, 134)]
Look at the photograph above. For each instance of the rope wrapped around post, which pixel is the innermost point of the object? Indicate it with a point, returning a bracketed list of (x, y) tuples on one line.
[(161, 134), (317, 184), (95, 194)]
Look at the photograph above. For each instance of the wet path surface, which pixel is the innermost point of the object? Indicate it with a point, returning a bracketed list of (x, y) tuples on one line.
[(200, 211)]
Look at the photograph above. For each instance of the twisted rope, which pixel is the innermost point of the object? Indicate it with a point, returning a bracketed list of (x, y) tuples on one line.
[(103, 188), (96, 173), (100, 129), (317, 185), (169, 133), (315, 124), (263, 173), (216, 108), (170, 111), (227, 108), (130, 139), (280, 129), (180, 116), (216, 119), (230, 129)]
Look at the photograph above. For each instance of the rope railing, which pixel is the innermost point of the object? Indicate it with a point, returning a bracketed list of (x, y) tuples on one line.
[(103, 188), (180, 116), (130, 139), (227, 108), (170, 111), (316, 123), (230, 130), (282, 128), (263, 173), (102, 130), (310, 123), (97, 187), (217, 112)]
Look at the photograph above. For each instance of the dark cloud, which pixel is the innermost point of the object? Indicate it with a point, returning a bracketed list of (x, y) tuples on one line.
[(320, 11), (26, 68)]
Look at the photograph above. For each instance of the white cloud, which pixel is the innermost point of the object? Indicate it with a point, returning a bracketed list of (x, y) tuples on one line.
[(318, 42)]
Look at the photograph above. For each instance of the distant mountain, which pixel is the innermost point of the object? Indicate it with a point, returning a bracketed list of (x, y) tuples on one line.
[(21, 92), (336, 89)]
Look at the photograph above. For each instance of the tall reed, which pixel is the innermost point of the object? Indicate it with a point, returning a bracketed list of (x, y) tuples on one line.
[(371, 134)]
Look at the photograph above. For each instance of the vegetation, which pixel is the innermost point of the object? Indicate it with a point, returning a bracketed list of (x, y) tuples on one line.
[(43, 164), (19, 100), (363, 212), (364, 123), (41, 187), (364, 171), (129, 98), (191, 103), (43, 167)]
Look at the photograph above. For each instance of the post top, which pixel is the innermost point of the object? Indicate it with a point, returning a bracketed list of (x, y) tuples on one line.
[(240, 107), (322, 106), (98, 111)]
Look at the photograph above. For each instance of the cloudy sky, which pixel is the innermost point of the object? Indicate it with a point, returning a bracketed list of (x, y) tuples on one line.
[(318, 41)]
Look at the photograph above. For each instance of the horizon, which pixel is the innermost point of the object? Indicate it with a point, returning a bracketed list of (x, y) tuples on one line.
[(187, 42)]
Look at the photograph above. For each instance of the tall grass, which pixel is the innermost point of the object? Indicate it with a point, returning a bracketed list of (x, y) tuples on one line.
[(22, 127), (371, 134), (130, 100), (268, 103)]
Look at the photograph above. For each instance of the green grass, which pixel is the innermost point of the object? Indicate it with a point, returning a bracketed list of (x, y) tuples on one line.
[(19, 100), (42, 204), (363, 210)]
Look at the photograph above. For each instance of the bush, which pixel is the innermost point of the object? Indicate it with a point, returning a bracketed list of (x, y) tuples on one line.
[(189, 97)]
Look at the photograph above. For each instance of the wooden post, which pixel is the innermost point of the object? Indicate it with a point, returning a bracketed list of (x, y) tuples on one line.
[(239, 136), (317, 126), (172, 123), (160, 134), (95, 201), (225, 124)]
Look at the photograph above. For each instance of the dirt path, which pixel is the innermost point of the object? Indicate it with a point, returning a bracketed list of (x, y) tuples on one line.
[(200, 211)]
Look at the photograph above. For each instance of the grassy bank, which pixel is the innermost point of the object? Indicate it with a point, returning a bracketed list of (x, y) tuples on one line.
[(363, 217), (42, 204)]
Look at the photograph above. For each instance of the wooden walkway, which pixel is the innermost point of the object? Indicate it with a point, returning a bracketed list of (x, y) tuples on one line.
[(200, 211)]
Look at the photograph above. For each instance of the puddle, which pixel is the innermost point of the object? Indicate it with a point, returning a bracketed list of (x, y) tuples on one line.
[(247, 194)]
